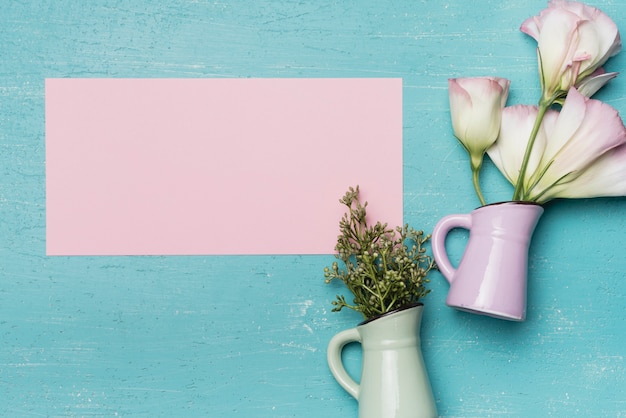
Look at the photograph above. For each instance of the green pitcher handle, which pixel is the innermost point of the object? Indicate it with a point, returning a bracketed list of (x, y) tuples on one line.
[(335, 347)]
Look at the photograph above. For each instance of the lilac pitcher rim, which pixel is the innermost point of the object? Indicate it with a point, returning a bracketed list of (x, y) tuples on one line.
[(515, 202)]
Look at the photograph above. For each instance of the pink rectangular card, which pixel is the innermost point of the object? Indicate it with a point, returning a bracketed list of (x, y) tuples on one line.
[(216, 166)]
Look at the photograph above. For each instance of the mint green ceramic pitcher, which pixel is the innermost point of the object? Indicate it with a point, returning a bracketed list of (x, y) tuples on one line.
[(394, 382)]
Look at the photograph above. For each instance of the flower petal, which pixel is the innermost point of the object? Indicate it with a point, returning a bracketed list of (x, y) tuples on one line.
[(585, 129), (605, 177), (590, 85), (508, 151)]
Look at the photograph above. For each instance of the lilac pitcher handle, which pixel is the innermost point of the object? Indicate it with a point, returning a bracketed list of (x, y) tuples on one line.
[(440, 232)]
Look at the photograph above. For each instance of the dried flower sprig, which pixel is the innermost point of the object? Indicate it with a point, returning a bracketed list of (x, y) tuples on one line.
[(385, 269)]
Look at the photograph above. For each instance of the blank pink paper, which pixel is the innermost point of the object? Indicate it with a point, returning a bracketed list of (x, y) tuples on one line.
[(216, 166)]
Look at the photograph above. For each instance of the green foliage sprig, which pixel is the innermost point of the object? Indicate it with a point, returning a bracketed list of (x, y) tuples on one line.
[(385, 269)]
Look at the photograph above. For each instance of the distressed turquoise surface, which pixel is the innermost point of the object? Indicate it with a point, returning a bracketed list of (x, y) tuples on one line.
[(246, 336)]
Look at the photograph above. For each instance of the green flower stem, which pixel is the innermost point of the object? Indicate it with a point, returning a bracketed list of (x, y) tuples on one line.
[(544, 104), (475, 179)]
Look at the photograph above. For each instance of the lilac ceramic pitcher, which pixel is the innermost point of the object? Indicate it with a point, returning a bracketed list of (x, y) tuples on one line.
[(492, 274)]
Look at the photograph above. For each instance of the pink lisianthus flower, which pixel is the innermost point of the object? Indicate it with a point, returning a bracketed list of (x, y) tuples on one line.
[(573, 41), (575, 153), (475, 107)]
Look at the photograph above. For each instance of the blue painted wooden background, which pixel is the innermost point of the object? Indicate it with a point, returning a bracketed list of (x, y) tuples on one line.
[(246, 336)]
